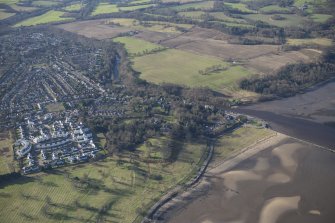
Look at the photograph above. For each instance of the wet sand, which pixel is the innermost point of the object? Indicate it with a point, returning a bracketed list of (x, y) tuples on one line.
[(309, 116), (317, 105), (281, 180)]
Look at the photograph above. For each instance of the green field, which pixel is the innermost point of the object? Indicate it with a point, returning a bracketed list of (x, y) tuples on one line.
[(290, 19), (222, 17), (239, 6), (9, 2), (135, 7), (44, 3), (155, 26), (274, 8), (48, 17), (314, 41), (73, 7), (180, 67), (6, 153), (198, 5), (13, 5), (321, 18), (5, 15), (234, 24), (138, 2), (105, 8), (239, 139), (192, 14), (116, 189), (137, 46), (22, 8)]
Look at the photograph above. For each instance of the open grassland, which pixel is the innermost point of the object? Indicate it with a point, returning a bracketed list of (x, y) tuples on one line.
[(137, 46), (135, 7), (116, 189), (5, 15), (240, 7), (48, 17), (73, 7), (180, 67), (274, 8), (289, 19), (44, 3), (198, 5), (315, 41), (239, 139), (105, 8), (7, 164), (321, 18)]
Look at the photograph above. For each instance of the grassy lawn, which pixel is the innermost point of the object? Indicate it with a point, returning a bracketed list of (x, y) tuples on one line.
[(198, 5), (44, 3), (48, 17), (105, 8), (321, 18), (315, 41), (73, 7), (134, 45), (180, 67), (239, 139), (135, 7), (274, 8), (290, 19), (6, 153), (115, 189), (55, 107), (239, 6)]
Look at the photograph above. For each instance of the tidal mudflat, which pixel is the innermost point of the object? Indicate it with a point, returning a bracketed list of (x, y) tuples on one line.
[(280, 180)]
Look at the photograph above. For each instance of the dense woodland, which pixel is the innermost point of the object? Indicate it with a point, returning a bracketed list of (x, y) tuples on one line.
[(293, 78)]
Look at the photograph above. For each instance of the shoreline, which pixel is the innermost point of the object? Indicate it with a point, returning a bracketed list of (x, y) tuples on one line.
[(181, 200)]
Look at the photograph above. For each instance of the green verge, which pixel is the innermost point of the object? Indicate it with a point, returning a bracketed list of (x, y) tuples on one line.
[(238, 140)]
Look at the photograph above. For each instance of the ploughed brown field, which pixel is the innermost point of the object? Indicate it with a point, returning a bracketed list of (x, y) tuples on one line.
[(96, 29), (259, 59), (281, 180)]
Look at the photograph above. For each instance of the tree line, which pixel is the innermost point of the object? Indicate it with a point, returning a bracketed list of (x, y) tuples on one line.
[(291, 79)]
